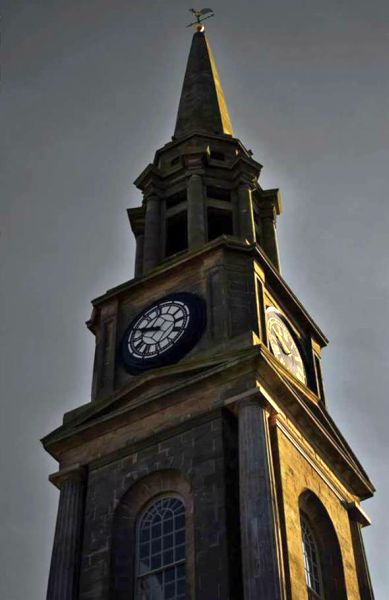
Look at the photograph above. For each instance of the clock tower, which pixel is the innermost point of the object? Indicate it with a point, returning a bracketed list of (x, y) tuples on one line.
[(206, 465)]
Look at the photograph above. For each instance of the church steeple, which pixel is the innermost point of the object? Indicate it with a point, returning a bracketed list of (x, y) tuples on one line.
[(204, 183), (202, 105), (206, 464)]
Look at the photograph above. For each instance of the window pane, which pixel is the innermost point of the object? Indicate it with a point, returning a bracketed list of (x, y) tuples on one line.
[(170, 574), (180, 553), (168, 526), (145, 535), (180, 537), (144, 550), (169, 590), (179, 522), (180, 572), (155, 562), (168, 557)]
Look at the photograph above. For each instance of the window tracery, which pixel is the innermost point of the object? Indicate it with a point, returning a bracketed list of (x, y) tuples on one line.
[(161, 551)]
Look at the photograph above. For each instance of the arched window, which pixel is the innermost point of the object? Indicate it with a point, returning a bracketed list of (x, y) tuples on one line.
[(313, 575), (161, 552), (321, 551)]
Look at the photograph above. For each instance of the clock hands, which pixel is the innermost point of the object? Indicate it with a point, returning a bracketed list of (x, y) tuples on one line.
[(284, 347), (143, 329), (281, 343)]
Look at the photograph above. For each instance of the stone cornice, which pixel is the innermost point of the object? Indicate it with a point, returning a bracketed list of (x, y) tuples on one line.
[(357, 514), (150, 172), (74, 473), (271, 388), (136, 216), (159, 179), (203, 136), (246, 169), (95, 413), (356, 480), (269, 200), (328, 440)]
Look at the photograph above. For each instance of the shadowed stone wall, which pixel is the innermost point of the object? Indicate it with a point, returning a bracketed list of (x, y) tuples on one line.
[(199, 456)]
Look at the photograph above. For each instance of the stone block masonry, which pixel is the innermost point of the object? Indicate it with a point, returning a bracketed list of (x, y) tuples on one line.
[(198, 455)]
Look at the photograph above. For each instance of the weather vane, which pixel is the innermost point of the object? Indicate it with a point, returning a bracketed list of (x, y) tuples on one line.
[(199, 14)]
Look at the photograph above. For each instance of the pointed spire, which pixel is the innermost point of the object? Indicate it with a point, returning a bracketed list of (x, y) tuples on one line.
[(202, 105)]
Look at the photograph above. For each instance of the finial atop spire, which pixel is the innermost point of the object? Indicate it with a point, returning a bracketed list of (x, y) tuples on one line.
[(199, 14), (202, 105)]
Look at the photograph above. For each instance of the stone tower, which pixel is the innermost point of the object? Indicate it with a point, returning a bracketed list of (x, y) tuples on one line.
[(206, 465)]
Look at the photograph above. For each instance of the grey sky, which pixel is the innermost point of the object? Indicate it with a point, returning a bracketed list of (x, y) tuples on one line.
[(90, 90)]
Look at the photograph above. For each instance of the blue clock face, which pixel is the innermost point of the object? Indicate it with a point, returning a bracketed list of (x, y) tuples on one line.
[(164, 332)]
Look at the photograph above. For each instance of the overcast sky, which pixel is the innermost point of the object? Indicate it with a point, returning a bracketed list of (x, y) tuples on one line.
[(90, 90)]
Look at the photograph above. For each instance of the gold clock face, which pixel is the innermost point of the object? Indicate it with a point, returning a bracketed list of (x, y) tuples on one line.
[(283, 345)]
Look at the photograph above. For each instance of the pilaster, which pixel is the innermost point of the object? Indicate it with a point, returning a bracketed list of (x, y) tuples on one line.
[(152, 245), (246, 216), (139, 240), (260, 555), (105, 363), (65, 560), (196, 212), (269, 236), (358, 519), (269, 203), (136, 217)]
